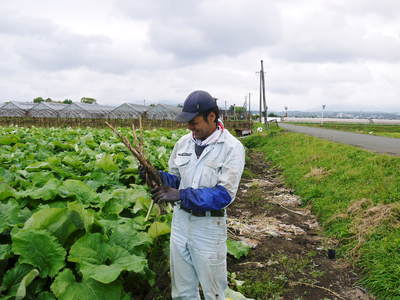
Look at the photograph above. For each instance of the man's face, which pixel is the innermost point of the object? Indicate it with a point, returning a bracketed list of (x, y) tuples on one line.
[(202, 129)]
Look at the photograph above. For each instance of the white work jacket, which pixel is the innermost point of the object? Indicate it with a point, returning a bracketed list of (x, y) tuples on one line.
[(220, 163)]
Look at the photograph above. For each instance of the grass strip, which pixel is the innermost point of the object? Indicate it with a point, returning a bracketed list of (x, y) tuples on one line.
[(354, 193), (373, 129)]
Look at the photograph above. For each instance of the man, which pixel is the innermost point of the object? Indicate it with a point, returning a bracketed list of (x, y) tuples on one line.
[(204, 173)]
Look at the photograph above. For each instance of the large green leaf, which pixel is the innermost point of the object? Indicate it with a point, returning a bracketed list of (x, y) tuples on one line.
[(40, 178), (13, 277), (106, 163), (39, 249), (71, 160), (8, 214), (79, 190), (124, 198), (5, 251), (6, 191), (65, 287), (28, 278), (237, 248), (61, 222), (127, 237), (37, 166), (8, 140), (87, 215), (47, 192), (158, 228), (102, 261)]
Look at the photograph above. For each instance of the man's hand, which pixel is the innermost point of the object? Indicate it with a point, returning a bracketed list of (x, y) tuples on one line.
[(165, 194)]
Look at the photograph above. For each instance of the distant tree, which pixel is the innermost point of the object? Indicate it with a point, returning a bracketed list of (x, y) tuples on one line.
[(152, 105), (38, 100), (48, 100), (273, 115), (88, 100), (180, 105), (240, 109), (67, 101)]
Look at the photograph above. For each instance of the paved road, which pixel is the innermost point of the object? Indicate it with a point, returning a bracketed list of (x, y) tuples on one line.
[(370, 142)]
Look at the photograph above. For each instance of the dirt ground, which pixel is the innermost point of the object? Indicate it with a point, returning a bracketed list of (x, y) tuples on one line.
[(289, 259)]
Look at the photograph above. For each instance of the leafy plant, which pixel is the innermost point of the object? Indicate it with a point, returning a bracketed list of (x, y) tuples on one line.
[(72, 214)]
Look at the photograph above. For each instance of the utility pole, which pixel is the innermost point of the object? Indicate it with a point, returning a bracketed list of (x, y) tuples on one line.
[(263, 94), (250, 106), (260, 99)]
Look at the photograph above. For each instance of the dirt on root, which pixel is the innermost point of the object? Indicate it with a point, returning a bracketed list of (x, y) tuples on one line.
[(289, 259)]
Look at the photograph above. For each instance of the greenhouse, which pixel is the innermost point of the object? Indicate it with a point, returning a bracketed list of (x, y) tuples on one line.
[(46, 110), (15, 109), (86, 111), (128, 111), (163, 112)]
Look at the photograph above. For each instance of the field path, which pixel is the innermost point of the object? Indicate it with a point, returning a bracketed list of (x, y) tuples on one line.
[(373, 143), (289, 259)]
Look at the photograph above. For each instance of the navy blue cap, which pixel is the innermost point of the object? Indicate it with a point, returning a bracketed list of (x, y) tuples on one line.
[(196, 103)]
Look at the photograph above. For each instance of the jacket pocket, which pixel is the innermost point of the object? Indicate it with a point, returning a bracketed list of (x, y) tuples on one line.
[(210, 173), (182, 163)]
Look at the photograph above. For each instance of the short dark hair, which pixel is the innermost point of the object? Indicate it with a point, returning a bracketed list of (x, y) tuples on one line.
[(214, 110)]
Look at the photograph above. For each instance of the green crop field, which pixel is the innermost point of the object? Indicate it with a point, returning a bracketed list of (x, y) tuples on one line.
[(374, 129), (72, 215), (354, 193)]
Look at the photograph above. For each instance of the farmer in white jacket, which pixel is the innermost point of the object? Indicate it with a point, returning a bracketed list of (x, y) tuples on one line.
[(204, 173)]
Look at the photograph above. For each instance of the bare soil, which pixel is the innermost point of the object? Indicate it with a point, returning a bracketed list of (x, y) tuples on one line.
[(289, 259)]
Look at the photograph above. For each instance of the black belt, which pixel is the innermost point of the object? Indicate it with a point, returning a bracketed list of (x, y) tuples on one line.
[(211, 213)]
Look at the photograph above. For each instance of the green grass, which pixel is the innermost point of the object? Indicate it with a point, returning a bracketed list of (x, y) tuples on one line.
[(330, 177), (374, 129)]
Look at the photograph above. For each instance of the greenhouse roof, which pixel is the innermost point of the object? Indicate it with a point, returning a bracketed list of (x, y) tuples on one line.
[(20, 105), (94, 107), (163, 111), (138, 107), (49, 105)]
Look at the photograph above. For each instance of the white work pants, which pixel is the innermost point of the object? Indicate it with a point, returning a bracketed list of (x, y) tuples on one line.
[(198, 255)]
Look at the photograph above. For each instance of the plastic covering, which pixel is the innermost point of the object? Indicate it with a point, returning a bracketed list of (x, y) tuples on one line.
[(89, 111), (15, 109), (163, 112), (128, 111)]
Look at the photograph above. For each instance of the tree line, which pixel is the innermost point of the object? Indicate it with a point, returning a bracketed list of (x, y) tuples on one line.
[(86, 100)]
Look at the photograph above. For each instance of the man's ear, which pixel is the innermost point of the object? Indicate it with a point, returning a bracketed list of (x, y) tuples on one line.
[(211, 117)]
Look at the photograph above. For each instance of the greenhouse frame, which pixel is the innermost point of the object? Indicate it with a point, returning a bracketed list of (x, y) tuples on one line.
[(88, 111), (46, 110), (163, 112), (15, 109), (128, 111)]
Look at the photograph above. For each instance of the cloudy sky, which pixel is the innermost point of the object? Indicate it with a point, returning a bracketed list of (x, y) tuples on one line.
[(345, 54)]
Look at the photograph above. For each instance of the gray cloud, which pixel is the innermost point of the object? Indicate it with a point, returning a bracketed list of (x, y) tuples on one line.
[(200, 29), (336, 38), (383, 8), (41, 44)]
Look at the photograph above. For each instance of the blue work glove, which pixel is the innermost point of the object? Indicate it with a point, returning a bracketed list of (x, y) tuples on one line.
[(165, 194)]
